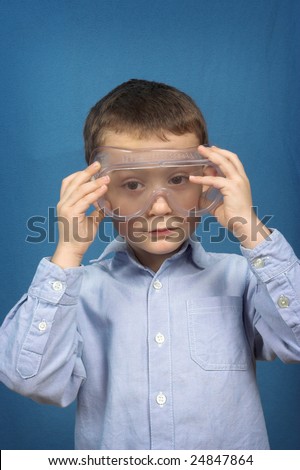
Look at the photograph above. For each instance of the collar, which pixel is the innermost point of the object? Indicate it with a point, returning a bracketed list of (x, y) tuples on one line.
[(116, 246)]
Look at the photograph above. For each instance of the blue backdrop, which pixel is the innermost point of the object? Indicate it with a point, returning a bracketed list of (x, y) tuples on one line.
[(238, 59)]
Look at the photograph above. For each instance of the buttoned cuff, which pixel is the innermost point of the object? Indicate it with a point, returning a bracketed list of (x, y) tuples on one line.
[(271, 257), (56, 285)]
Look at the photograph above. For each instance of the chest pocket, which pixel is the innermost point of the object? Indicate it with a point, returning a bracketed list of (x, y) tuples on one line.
[(216, 333)]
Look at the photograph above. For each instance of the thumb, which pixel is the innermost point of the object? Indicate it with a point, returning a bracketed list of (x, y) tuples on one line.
[(97, 216)]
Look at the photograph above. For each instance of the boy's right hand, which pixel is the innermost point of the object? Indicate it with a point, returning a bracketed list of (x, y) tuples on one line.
[(76, 229)]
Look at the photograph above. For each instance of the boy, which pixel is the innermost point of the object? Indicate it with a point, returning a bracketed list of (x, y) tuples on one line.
[(157, 339)]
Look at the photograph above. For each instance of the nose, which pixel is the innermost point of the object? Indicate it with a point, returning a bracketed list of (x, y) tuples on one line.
[(160, 206)]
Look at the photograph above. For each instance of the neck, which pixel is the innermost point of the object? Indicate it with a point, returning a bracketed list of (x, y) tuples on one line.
[(153, 261)]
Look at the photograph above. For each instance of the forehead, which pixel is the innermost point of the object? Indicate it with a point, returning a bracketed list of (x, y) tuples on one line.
[(148, 174), (112, 158), (130, 141)]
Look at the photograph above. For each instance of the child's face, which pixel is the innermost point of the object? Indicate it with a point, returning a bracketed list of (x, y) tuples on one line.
[(160, 232)]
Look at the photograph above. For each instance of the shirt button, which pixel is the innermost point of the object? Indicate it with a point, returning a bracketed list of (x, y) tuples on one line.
[(43, 325), (283, 301), (57, 286), (159, 338), (161, 399), (258, 263), (157, 284)]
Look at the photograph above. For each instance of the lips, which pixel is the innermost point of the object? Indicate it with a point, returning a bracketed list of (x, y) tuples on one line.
[(165, 229), (158, 225), (162, 231)]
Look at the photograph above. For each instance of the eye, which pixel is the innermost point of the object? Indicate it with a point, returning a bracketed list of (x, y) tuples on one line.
[(133, 185), (179, 179)]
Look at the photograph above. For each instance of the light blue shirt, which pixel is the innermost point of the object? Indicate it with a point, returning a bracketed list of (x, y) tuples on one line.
[(160, 360)]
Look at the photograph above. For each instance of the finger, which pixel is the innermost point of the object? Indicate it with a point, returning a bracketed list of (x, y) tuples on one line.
[(228, 162), (91, 199), (71, 198), (66, 181), (217, 182), (80, 201), (224, 164), (233, 157), (78, 178), (98, 215)]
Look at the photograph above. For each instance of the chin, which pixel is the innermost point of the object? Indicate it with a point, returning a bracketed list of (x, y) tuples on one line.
[(159, 247)]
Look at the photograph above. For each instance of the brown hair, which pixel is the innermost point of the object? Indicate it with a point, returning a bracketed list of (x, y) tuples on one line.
[(143, 108)]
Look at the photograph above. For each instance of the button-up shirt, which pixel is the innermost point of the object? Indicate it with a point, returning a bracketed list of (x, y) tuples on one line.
[(161, 360)]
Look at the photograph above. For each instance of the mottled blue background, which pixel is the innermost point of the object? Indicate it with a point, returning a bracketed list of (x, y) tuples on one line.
[(238, 59)]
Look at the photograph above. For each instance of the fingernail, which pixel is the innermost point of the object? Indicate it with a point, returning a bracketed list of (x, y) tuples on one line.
[(95, 164)]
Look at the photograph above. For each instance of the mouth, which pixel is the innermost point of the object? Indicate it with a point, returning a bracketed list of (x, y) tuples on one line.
[(158, 227), (162, 232)]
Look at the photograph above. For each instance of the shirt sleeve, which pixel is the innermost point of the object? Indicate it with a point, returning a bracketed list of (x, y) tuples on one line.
[(40, 345), (273, 296)]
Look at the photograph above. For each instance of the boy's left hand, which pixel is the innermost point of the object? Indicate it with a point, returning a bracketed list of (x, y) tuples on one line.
[(235, 212)]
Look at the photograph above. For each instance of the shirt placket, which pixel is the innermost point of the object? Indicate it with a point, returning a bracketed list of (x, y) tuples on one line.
[(160, 366)]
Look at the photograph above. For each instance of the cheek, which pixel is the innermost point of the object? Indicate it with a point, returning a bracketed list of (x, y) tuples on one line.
[(190, 224), (191, 198), (120, 227)]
